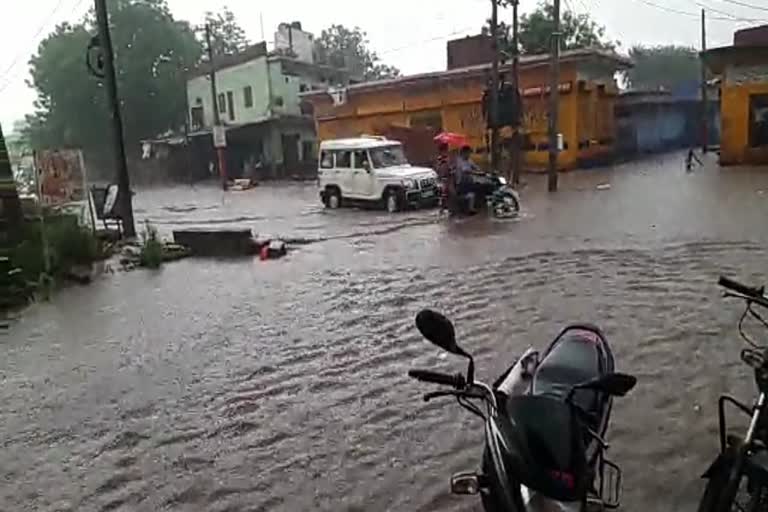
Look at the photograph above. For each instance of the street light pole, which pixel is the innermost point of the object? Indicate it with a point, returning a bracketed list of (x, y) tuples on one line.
[(123, 180), (493, 116), (554, 99), (516, 136), (704, 99), (220, 153)]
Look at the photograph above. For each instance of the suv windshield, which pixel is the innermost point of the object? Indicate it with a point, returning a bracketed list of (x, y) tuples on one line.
[(388, 156)]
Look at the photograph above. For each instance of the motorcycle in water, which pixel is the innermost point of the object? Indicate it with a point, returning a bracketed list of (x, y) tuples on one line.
[(738, 478), (490, 191), (545, 422)]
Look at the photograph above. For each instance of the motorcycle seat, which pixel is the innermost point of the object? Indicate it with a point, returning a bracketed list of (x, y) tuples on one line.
[(574, 358)]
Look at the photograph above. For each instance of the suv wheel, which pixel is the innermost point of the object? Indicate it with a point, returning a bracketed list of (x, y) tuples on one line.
[(392, 201), (333, 198)]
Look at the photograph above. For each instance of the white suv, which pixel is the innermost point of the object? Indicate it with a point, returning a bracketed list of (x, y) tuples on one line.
[(372, 170)]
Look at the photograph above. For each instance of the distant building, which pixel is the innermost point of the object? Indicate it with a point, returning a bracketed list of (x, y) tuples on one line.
[(258, 102), (452, 101), (743, 72), (470, 51), (291, 40), (657, 121)]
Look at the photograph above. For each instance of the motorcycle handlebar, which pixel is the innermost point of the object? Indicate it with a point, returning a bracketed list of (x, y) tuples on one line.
[(456, 381), (743, 289)]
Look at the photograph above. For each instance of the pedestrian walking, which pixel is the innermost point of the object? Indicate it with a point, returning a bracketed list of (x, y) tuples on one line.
[(690, 159)]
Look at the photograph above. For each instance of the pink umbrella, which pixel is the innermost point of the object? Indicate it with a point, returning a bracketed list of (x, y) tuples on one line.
[(452, 139)]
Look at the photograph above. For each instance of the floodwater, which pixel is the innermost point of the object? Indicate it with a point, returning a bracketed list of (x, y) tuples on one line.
[(281, 386)]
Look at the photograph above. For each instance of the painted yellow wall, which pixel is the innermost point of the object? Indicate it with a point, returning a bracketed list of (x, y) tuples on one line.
[(459, 105), (734, 114)]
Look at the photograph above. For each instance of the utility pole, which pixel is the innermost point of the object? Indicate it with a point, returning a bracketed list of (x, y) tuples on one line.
[(493, 116), (124, 194), (704, 99), (516, 136), (220, 153), (554, 100)]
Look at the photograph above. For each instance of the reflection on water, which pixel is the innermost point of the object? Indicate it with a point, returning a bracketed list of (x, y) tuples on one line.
[(246, 385)]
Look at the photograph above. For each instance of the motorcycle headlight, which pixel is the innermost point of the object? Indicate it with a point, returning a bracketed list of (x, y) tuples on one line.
[(502, 180), (409, 183)]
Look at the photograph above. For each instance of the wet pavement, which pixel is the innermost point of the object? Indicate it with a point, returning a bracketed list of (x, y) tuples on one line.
[(246, 385)]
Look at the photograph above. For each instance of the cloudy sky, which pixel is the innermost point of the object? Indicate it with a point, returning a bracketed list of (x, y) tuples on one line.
[(409, 34)]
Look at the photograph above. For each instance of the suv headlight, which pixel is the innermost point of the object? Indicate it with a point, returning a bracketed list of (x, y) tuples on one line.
[(409, 183)]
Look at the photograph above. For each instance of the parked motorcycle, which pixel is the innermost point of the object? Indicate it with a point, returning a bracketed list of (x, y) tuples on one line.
[(492, 192), (545, 422), (738, 478)]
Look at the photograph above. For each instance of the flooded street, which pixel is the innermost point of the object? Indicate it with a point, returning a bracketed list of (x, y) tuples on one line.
[(242, 385)]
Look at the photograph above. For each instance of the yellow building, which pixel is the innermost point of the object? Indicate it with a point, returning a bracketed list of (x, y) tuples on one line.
[(452, 101), (743, 71)]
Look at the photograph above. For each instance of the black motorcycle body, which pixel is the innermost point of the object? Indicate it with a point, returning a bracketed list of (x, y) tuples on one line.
[(545, 420)]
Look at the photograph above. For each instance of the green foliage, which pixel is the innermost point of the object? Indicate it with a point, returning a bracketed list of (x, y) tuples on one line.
[(153, 52), (68, 244), (664, 67), (578, 31), (342, 47), (227, 36), (151, 255)]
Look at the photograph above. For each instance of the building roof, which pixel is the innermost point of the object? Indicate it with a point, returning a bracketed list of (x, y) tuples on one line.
[(258, 51), (362, 142), (526, 61), (718, 58)]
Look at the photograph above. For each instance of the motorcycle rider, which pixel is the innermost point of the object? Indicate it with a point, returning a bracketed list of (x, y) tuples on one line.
[(463, 177)]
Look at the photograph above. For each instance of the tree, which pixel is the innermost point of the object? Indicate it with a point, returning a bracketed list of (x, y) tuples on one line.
[(227, 36), (578, 31), (666, 67), (10, 205), (153, 53), (342, 47)]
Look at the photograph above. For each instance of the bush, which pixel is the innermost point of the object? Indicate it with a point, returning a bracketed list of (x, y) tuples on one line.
[(151, 255), (68, 244)]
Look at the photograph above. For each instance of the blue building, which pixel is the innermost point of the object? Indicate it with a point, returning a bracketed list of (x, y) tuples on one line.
[(658, 121)]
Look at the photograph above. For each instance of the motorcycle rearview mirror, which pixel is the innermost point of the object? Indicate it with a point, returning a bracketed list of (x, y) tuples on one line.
[(614, 384), (439, 331)]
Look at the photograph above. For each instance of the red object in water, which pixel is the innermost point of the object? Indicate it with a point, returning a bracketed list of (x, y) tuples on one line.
[(452, 139), (264, 252)]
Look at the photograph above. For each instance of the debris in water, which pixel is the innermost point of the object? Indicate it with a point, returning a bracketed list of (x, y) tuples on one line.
[(604, 186)]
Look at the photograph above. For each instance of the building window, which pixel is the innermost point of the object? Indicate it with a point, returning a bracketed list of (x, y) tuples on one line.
[(278, 101), (430, 119), (197, 117), (248, 95), (302, 87), (198, 101), (222, 103), (758, 120), (231, 105), (287, 80)]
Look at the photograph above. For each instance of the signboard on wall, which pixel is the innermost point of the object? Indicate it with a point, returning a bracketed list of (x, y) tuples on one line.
[(219, 136), (61, 176), (738, 75)]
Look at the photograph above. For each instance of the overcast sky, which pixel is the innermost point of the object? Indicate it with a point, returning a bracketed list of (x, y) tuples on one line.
[(410, 34)]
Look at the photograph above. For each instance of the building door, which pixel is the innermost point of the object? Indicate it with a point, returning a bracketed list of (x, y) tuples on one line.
[(758, 120), (290, 143)]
